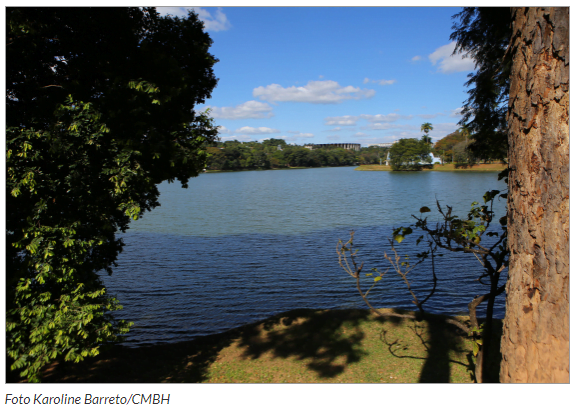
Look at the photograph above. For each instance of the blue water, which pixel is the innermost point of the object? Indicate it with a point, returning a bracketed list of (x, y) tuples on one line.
[(239, 247)]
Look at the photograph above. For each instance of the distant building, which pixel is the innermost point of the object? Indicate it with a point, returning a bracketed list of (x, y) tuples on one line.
[(355, 147), (383, 144)]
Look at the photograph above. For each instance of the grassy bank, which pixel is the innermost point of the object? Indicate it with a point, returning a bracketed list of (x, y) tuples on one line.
[(445, 167), (301, 346)]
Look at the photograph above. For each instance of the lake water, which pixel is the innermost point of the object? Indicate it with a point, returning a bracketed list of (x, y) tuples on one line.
[(238, 247)]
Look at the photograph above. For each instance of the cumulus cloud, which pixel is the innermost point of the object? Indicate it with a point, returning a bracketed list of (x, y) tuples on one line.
[(343, 120), (304, 135), (174, 11), (223, 130), (216, 22), (377, 119), (448, 63), (385, 118), (249, 109), (381, 82), (441, 130), (254, 131), (389, 126), (212, 22), (416, 58), (316, 92), (456, 112)]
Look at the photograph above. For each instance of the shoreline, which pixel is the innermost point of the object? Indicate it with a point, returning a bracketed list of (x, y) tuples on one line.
[(440, 168)]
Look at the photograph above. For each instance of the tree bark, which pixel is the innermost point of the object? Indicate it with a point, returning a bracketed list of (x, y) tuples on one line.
[(535, 341)]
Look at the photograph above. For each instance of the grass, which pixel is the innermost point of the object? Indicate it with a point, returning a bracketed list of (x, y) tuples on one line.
[(300, 346), (445, 167)]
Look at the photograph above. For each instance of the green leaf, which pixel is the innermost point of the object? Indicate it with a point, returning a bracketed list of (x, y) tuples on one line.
[(399, 238), (475, 348)]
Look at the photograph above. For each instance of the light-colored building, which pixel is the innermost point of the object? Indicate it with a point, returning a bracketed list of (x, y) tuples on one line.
[(383, 144)]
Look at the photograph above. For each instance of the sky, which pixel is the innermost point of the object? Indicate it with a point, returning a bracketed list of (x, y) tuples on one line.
[(323, 75)]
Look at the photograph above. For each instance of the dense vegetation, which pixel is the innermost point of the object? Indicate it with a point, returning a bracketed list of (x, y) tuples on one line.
[(410, 154), (276, 153), (90, 132), (483, 33)]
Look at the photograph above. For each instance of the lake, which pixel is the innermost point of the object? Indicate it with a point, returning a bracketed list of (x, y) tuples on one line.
[(238, 247)]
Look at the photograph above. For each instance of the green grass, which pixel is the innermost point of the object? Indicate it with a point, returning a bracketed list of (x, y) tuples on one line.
[(443, 168), (301, 346)]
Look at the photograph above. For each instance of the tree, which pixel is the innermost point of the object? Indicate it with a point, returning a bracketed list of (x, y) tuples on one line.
[(426, 128), (535, 343), (483, 34), (473, 235), (443, 147), (409, 154), (100, 109)]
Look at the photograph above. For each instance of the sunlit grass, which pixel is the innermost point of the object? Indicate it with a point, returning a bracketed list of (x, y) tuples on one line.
[(301, 346)]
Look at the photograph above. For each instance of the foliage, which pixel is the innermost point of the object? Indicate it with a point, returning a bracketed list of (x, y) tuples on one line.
[(456, 235), (409, 154), (444, 146), (483, 33), (95, 119), (274, 153), (426, 128)]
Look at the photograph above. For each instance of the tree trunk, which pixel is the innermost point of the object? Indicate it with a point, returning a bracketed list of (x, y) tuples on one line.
[(535, 342)]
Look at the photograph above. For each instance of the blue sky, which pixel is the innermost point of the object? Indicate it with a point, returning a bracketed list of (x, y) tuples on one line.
[(322, 75)]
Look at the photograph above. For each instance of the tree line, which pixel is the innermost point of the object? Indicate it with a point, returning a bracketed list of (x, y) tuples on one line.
[(275, 153)]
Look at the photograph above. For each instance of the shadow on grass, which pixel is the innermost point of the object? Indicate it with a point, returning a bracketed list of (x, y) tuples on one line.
[(326, 341), (440, 340), (310, 335)]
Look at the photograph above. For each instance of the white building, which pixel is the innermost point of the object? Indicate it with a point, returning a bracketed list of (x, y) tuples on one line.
[(383, 144)]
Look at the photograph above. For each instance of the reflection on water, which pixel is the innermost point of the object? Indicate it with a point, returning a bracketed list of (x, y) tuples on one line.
[(238, 247)]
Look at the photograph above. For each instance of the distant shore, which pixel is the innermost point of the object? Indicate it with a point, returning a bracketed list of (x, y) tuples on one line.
[(443, 168)]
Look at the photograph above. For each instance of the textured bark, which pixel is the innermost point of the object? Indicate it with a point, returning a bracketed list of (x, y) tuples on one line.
[(535, 342)]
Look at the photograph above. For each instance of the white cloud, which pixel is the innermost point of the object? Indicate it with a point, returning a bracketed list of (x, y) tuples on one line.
[(416, 58), (258, 130), (223, 130), (385, 118), (212, 22), (316, 92), (377, 119), (456, 112), (382, 126), (441, 130), (448, 63), (249, 109), (216, 22), (304, 135), (343, 120), (174, 11), (335, 129), (381, 82)]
